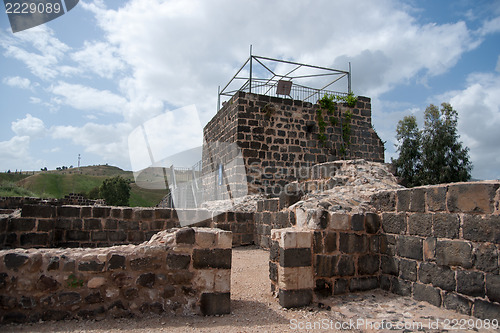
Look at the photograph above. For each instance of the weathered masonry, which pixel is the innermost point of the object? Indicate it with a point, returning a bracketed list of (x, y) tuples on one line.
[(279, 140)]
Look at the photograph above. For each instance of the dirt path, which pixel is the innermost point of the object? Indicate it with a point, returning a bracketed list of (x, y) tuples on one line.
[(255, 310)]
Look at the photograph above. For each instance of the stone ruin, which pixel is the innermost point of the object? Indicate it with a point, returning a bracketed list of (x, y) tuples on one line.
[(343, 226)]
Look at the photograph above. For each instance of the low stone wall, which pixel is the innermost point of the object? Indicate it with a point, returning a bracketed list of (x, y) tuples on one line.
[(441, 244), (271, 215), (96, 226), (186, 271), (342, 256)]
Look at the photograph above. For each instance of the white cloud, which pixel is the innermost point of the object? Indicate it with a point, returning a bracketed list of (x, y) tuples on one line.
[(15, 152), (39, 50), (100, 58), (478, 106), (29, 126), (106, 141), (18, 82), (86, 98)]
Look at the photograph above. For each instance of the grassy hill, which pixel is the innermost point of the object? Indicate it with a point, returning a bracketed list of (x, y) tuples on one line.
[(58, 183)]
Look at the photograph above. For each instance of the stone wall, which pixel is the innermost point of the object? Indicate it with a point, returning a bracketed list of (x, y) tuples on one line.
[(186, 271), (441, 244), (96, 226), (278, 137), (341, 256)]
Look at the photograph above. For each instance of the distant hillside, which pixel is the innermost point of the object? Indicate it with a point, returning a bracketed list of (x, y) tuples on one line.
[(58, 183)]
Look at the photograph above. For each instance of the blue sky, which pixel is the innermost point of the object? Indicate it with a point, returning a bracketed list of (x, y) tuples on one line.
[(83, 82)]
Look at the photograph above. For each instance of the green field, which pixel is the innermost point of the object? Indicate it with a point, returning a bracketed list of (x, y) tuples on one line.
[(57, 184)]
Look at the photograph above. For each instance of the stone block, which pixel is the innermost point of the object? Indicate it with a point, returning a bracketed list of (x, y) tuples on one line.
[(401, 287), (304, 239), (470, 283), (330, 241), (274, 251), (146, 280), (410, 247), (205, 238), (21, 224), (77, 235), (440, 276), (384, 201), (339, 221), (358, 222), (368, 264), (215, 303), (39, 211), (403, 200), (372, 223), (116, 261), (90, 266), (178, 261), (69, 298), (185, 236), (389, 265), (446, 225), (295, 298), (145, 263), (486, 257), (222, 281), (408, 270), (224, 239), (205, 280), (394, 223), (14, 260), (325, 265), (295, 257), (429, 248), (273, 271), (345, 266), (427, 293), (363, 284), (35, 239), (353, 243), (493, 287), (215, 258), (420, 224), (436, 198), (323, 288), (486, 310), (472, 197), (101, 212), (388, 244), (454, 253), (46, 225), (482, 229), (457, 303)]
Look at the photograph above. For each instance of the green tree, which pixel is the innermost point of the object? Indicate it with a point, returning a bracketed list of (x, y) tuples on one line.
[(444, 159), (434, 155), (408, 164), (116, 191)]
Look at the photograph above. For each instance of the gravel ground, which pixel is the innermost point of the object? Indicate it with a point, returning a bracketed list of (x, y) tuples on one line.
[(254, 309)]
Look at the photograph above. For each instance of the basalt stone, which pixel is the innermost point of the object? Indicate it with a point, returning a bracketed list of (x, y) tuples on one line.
[(46, 283), (363, 284), (130, 293), (145, 263), (27, 302), (401, 287), (358, 222), (353, 243), (14, 317), (146, 280), (440, 276), (470, 283), (457, 303), (3, 280), (486, 258), (295, 257), (116, 262), (340, 286), (90, 266), (493, 287), (323, 288), (420, 224), (345, 266), (295, 298), (426, 293), (89, 314), (389, 265), (446, 225), (368, 264), (372, 223), (393, 223), (185, 236), (216, 258), (408, 270), (410, 247), (94, 298), (178, 261), (169, 291), (476, 228), (14, 260), (69, 298), (325, 265), (53, 264), (486, 310), (215, 303), (454, 253), (273, 272)]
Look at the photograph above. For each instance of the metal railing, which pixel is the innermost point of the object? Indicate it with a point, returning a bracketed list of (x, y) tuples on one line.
[(295, 74)]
